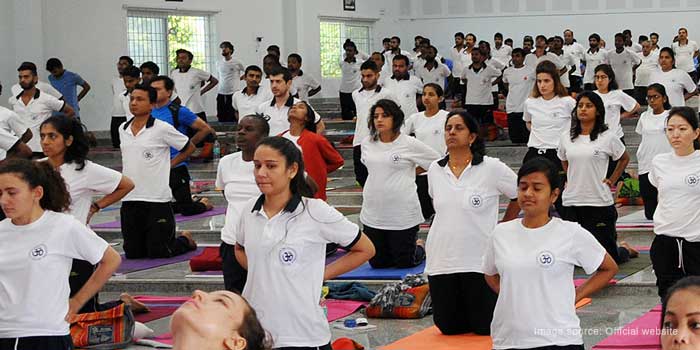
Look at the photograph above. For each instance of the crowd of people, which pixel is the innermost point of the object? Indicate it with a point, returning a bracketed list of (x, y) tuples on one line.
[(415, 160)]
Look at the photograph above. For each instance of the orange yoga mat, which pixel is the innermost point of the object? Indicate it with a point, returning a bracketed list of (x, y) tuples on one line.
[(432, 339)]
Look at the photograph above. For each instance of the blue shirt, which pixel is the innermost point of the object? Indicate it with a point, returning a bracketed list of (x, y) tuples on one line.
[(185, 118), (67, 85)]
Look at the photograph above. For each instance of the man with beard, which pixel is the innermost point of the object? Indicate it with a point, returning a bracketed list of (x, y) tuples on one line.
[(247, 100), (34, 107), (67, 83), (230, 69), (593, 57), (407, 88)]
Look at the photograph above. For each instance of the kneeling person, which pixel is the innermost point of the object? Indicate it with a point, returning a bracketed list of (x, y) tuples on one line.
[(147, 220)]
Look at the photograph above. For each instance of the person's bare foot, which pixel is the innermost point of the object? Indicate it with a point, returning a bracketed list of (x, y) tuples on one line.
[(137, 307), (633, 252), (420, 242), (190, 241), (207, 203)]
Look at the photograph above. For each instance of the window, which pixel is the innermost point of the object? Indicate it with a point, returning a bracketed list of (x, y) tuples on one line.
[(333, 35), (155, 36)]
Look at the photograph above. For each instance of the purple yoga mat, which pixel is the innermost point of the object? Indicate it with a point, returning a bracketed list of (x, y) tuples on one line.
[(132, 265), (178, 218)]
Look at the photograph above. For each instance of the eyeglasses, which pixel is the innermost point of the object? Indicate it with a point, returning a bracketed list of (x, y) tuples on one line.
[(601, 77), (653, 97)]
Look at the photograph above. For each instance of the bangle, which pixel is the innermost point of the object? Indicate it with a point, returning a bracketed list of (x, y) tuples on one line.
[(95, 206)]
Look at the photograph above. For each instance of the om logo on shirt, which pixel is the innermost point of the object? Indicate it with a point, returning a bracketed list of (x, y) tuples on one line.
[(476, 201), (545, 259), (395, 158), (692, 180), (38, 252), (147, 155), (287, 256)]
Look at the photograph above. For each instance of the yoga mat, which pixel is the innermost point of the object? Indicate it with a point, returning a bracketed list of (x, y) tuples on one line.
[(432, 339), (641, 333), (166, 338), (160, 306), (634, 221), (338, 309), (579, 281), (366, 272), (178, 218), (625, 270), (132, 265)]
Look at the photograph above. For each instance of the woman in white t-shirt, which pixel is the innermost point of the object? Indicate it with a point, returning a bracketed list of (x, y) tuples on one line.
[(234, 176), (652, 127), (530, 263), (547, 114), (63, 141), (281, 240), (676, 175), (465, 187), (679, 86), (39, 245), (428, 127), (585, 152), (391, 210)]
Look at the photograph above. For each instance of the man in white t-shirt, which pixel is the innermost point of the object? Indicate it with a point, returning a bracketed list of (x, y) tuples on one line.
[(649, 59), (34, 107), (576, 51), (147, 220), (628, 43), (395, 50), (364, 99), (278, 107), (686, 51), (305, 85), (188, 85), (230, 69), (593, 57), (623, 62), (247, 100), (407, 88), (501, 52), (384, 67), (566, 60), (118, 113), (519, 80), (432, 70), (456, 53)]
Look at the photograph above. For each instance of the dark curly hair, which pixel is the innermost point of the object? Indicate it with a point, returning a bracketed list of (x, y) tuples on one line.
[(70, 127), (390, 109), (34, 173), (252, 331)]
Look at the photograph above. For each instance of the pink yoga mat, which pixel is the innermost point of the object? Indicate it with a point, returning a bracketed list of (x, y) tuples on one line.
[(642, 333), (178, 218), (579, 281), (166, 338), (133, 265), (338, 309), (160, 306)]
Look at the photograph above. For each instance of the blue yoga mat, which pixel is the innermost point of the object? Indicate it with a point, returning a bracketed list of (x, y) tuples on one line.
[(366, 272)]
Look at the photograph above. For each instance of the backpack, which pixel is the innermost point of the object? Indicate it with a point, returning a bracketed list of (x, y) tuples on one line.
[(174, 109), (103, 330)]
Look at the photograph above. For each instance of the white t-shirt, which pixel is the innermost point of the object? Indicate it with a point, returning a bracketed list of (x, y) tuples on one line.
[(436, 75), (350, 74), (229, 75), (536, 267), (676, 82), (635, 47), (429, 130), (235, 177), (648, 65), (118, 89), (13, 126), (678, 181), (188, 86), (614, 100), (406, 91), (146, 159), (126, 102), (248, 104), (364, 100), (7, 141), (286, 262), (39, 108), (577, 51), (588, 165), (684, 55), (45, 87), (502, 54), (549, 120), (520, 82), (593, 59), (35, 267), (83, 184), (622, 64), (303, 83), (389, 198), (652, 127), (470, 201), (279, 115), (479, 84), (458, 60), (531, 60)]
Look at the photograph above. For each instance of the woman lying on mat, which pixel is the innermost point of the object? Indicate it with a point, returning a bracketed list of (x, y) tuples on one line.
[(39, 245), (465, 187), (530, 263), (680, 312), (217, 321), (64, 142), (281, 239)]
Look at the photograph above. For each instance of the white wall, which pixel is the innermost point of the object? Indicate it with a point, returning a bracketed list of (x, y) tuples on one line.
[(89, 36), (7, 51), (440, 19)]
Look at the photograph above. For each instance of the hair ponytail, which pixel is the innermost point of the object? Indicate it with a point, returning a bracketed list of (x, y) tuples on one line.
[(478, 147), (56, 197), (70, 127)]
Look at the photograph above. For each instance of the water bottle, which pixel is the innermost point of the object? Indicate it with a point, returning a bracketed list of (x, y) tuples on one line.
[(217, 151)]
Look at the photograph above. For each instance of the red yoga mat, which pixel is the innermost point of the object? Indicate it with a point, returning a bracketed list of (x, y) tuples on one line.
[(160, 306), (642, 333)]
